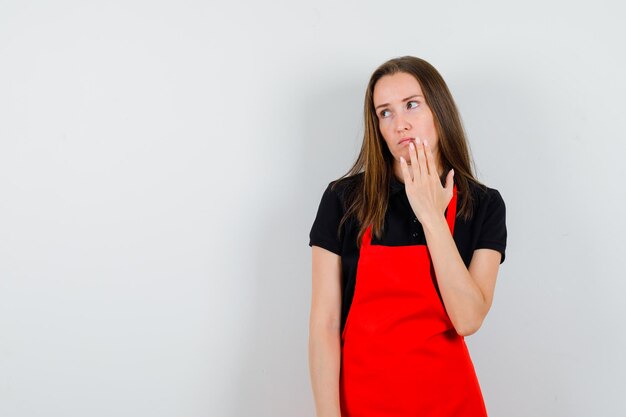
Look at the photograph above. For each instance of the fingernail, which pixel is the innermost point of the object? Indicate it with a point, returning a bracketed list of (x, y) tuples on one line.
[(417, 140), (401, 159), (411, 145), (425, 142)]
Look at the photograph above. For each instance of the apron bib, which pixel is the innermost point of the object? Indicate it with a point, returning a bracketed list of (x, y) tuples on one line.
[(401, 356)]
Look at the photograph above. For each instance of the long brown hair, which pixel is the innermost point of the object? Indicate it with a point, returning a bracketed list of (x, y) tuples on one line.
[(367, 200)]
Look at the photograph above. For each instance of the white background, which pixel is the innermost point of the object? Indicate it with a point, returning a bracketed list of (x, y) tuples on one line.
[(161, 164)]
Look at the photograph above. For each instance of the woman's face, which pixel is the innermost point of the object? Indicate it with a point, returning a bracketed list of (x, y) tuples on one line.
[(403, 115)]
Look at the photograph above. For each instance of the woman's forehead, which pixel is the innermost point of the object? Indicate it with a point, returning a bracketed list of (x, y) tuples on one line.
[(395, 88)]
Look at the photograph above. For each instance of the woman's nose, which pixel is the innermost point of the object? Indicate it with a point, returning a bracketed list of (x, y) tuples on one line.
[(402, 123)]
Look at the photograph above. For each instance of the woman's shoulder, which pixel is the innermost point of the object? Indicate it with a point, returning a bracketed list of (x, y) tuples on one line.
[(325, 231), (348, 180), (488, 222), (342, 187), (486, 201), (337, 192), (482, 193)]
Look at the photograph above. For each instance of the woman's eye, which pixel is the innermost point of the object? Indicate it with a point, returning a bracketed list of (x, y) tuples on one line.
[(412, 104), (384, 113)]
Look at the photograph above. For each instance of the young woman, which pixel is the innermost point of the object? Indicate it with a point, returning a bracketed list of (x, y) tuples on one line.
[(406, 249)]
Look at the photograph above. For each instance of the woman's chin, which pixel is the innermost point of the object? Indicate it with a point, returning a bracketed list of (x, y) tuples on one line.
[(404, 154)]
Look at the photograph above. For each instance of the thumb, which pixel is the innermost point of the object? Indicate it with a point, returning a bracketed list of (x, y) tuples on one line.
[(449, 180)]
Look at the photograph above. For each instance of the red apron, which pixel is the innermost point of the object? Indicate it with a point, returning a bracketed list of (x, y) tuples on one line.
[(401, 356)]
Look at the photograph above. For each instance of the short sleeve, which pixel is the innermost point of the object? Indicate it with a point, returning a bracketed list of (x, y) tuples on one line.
[(493, 229), (325, 230)]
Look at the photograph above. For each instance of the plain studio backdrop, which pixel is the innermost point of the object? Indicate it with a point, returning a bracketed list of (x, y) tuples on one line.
[(161, 164)]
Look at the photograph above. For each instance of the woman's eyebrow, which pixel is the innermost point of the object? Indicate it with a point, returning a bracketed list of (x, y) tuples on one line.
[(406, 99)]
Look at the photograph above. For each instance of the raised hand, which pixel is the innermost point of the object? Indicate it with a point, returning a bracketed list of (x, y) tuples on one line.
[(428, 198)]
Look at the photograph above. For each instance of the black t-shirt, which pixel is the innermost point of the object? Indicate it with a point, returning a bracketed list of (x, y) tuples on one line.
[(485, 229)]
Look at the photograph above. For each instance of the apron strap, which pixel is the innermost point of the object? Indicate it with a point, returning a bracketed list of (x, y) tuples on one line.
[(367, 236), (451, 211)]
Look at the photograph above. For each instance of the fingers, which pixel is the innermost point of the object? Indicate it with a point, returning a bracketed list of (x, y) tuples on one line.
[(405, 171), (430, 159), (414, 164), (421, 157), (449, 180)]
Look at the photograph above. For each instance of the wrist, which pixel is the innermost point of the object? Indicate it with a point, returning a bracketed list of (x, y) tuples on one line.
[(434, 222)]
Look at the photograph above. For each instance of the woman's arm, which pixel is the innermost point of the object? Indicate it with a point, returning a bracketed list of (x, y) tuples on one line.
[(467, 293), (324, 332)]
